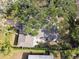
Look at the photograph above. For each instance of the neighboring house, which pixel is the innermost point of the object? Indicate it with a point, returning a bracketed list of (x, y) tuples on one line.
[(40, 57), (37, 56), (32, 55)]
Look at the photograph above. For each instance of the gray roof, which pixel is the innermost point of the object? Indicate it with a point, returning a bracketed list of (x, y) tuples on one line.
[(40, 57), (25, 41), (21, 40)]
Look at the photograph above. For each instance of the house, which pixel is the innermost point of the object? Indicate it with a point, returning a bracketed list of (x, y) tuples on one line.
[(37, 56), (24, 40), (40, 57), (32, 55)]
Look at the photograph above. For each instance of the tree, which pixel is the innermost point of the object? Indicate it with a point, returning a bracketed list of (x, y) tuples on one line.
[(5, 45), (25, 12), (60, 13)]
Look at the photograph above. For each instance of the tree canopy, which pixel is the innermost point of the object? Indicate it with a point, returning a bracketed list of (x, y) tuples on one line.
[(61, 13)]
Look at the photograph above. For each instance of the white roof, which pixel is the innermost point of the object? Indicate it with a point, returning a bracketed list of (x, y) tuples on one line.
[(40, 57)]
